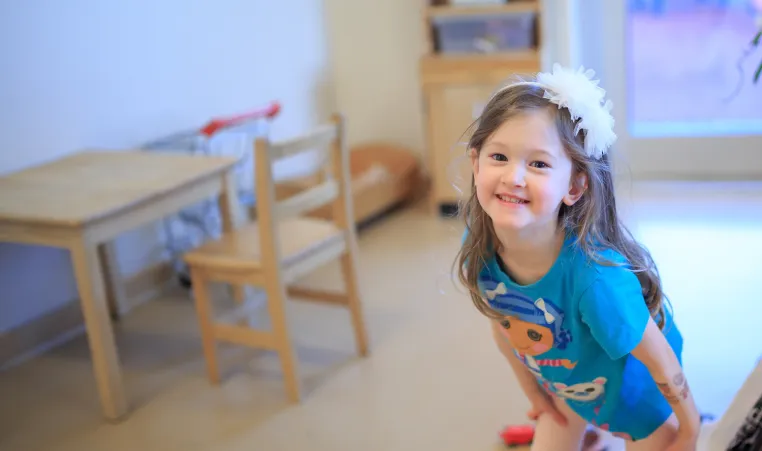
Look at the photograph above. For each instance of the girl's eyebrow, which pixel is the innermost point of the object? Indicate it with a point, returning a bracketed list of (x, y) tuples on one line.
[(545, 153), (496, 143)]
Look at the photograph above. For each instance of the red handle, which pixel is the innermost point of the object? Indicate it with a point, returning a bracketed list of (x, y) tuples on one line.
[(216, 125)]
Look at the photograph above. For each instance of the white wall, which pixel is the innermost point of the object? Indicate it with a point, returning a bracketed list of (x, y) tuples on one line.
[(82, 73), (375, 46)]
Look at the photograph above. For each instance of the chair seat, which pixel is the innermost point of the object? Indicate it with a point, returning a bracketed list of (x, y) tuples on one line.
[(241, 248)]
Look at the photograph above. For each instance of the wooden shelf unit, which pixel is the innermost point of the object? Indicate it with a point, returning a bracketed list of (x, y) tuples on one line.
[(445, 10), (455, 87)]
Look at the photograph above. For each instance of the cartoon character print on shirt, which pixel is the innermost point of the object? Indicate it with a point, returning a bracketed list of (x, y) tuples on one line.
[(532, 327), (584, 393), (534, 368), (590, 392)]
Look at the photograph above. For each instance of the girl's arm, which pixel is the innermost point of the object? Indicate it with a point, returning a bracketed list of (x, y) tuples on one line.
[(527, 381), (656, 354), (541, 401)]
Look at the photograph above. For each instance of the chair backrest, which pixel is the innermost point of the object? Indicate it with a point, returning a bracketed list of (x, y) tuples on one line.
[(327, 141)]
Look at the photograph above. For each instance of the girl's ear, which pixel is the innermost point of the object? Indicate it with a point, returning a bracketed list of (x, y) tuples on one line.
[(473, 155), (577, 188)]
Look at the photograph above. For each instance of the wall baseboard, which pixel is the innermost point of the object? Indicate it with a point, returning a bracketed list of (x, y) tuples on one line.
[(66, 322), (147, 284)]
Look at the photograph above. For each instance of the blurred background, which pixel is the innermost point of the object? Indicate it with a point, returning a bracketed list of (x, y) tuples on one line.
[(408, 76)]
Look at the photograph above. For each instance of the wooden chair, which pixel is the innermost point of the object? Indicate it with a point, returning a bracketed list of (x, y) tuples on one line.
[(278, 247)]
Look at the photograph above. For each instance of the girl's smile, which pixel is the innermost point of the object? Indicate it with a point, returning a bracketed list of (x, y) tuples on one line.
[(511, 200)]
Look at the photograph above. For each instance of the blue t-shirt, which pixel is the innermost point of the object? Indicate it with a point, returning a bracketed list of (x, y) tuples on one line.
[(575, 329)]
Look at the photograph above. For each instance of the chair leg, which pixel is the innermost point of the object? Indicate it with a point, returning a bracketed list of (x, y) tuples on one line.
[(205, 319), (349, 270), (276, 304)]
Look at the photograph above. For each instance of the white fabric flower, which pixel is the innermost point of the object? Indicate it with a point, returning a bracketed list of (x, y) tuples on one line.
[(579, 93)]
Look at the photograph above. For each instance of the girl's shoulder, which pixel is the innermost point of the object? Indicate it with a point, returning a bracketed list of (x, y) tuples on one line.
[(595, 257), (597, 266)]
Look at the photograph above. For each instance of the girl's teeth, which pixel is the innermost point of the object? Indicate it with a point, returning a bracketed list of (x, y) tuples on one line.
[(511, 200)]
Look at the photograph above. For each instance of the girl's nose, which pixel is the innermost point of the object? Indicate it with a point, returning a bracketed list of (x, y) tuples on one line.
[(514, 175)]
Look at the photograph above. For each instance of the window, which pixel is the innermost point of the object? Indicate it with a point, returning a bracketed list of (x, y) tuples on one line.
[(690, 66)]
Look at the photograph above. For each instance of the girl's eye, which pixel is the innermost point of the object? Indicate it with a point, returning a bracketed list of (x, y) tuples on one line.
[(534, 335), (499, 157), (506, 324), (539, 164)]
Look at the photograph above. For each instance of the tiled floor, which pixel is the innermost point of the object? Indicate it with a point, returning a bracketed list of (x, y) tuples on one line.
[(434, 380), (707, 241)]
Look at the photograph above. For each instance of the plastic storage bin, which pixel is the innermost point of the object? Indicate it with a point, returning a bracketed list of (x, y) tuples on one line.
[(485, 34)]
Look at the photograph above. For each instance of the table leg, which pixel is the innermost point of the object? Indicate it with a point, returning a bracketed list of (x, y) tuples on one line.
[(230, 213), (100, 335), (115, 294)]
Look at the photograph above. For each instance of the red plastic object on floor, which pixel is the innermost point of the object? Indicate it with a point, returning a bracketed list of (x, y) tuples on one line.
[(517, 435)]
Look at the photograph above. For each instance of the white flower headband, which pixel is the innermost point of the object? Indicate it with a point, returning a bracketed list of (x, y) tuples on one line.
[(580, 94)]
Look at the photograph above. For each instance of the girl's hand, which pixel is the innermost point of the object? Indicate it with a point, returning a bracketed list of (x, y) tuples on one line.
[(542, 403), (684, 441)]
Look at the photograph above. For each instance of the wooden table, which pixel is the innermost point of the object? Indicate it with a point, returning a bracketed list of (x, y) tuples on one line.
[(85, 200)]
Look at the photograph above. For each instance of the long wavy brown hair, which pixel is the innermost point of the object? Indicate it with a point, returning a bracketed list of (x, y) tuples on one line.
[(593, 219)]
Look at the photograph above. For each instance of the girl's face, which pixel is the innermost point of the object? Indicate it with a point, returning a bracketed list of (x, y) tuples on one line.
[(523, 173)]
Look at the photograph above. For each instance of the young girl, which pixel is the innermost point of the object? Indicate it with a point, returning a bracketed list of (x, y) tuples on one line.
[(575, 303)]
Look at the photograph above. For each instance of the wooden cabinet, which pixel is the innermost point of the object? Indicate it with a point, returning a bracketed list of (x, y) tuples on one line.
[(455, 87), (452, 109)]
